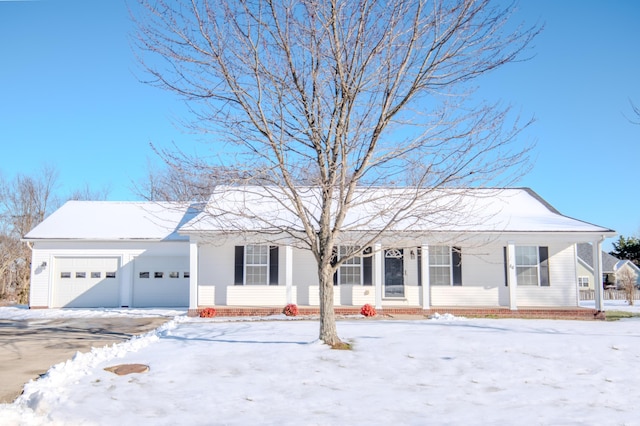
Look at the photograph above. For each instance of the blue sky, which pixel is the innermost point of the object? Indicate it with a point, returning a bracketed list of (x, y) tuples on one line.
[(70, 97)]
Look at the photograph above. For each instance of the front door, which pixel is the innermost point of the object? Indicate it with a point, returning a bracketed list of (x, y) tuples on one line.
[(393, 273)]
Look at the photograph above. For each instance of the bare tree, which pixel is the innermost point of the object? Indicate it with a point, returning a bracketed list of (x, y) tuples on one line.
[(24, 203), (86, 193), (341, 95), (182, 179), (627, 280)]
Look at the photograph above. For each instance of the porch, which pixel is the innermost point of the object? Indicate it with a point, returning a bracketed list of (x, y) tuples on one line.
[(414, 312)]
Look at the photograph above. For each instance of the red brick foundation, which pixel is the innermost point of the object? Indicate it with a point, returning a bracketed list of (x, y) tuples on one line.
[(390, 312)]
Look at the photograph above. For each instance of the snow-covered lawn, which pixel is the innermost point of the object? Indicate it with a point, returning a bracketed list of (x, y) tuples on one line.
[(441, 371), (614, 305)]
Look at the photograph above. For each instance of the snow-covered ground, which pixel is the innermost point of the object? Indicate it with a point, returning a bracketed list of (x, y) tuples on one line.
[(614, 305), (442, 371), (22, 312)]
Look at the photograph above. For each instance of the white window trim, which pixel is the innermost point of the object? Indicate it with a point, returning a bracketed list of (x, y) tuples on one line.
[(582, 280), (450, 265), (247, 264), (350, 266), (537, 266)]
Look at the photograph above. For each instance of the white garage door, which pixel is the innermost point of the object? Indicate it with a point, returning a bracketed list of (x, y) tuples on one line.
[(86, 282), (161, 281)]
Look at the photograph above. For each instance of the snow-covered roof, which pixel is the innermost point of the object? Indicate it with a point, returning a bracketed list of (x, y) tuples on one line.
[(110, 220), (251, 208)]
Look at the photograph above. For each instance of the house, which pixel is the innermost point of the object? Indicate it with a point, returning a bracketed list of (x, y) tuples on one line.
[(473, 248), (611, 267)]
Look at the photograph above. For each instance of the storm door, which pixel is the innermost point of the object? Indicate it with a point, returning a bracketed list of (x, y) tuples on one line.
[(393, 273)]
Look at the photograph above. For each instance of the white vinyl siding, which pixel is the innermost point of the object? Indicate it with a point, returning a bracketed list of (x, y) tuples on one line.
[(215, 272), (272, 295), (465, 296), (562, 281)]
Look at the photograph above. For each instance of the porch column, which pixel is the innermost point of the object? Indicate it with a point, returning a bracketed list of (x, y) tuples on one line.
[(288, 272), (424, 272), (512, 278), (377, 273), (193, 275), (597, 274)]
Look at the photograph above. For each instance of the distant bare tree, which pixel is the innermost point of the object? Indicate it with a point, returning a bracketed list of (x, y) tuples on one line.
[(181, 179), (86, 193), (11, 261), (627, 280), (24, 202), (341, 95)]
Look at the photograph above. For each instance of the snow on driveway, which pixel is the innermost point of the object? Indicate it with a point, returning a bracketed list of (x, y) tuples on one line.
[(445, 371)]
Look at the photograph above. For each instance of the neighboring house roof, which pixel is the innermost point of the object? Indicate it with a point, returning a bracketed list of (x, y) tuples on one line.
[(110, 220), (585, 254), (629, 264), (444, 210), (610, 264)]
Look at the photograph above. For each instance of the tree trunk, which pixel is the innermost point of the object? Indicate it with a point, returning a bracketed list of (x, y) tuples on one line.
[(328, 330)]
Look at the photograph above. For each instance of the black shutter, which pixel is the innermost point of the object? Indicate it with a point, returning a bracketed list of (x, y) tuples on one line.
[(239, 266), (273, 265), (543, 253), (506, 268), (419, 250), (334, 260), (367, 269), (456, 259)]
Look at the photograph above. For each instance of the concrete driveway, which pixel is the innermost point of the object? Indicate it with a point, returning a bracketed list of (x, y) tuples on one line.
[(28, 348)]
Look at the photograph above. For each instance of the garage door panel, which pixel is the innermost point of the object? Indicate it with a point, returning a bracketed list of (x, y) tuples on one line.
[(87, 282), (161, 281)]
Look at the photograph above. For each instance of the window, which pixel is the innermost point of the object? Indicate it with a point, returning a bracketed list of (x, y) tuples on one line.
[(445, 265), (174, 274), (351, 270), (186, 275), (144, 275), (583, 282), (532, 265), (110, 275), (158, 274), (81, 275), (65, 274), (256, 265), (96, 275)]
